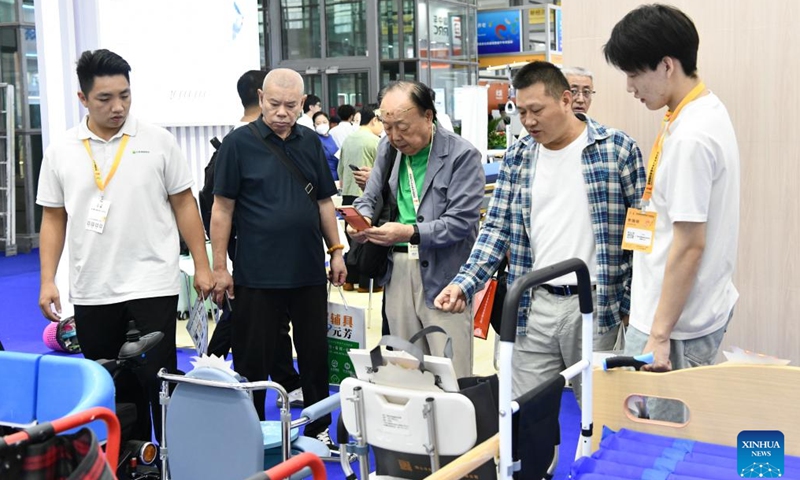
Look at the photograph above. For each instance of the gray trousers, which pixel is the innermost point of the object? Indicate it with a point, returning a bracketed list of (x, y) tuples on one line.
[(407, 314), (552, 341)]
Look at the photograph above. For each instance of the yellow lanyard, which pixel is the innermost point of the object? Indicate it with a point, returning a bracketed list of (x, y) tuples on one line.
[(98, 179), (655, 153)]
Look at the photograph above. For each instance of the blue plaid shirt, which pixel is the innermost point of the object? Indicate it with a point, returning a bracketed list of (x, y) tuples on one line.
[(615, 178)]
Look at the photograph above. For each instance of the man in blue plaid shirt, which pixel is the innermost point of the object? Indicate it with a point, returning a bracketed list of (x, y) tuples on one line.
[(562, 193)]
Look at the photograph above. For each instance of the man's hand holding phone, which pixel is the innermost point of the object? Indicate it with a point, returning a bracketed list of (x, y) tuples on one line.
[(361, 176), (353, 218)]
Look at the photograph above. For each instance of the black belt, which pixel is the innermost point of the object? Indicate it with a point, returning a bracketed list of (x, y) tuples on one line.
[(563, 290), (400, 248)]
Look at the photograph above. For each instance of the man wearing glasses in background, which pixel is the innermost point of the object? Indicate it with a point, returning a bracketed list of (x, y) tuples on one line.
[(581, 86)]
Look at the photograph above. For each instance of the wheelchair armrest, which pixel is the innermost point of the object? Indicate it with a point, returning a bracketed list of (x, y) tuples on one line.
[(319, 409)]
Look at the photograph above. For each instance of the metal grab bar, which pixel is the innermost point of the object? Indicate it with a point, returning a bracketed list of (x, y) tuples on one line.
[(508, 332)]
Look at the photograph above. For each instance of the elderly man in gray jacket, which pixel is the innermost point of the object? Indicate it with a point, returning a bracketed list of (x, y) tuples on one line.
[(437, 183)]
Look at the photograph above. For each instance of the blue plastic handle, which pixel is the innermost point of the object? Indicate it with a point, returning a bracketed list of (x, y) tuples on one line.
[(636, 362)]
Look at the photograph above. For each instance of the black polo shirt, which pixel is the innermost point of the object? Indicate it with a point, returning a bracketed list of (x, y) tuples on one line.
[(279, 238)]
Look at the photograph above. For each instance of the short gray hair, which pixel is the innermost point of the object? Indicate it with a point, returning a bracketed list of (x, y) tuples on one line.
[(577, 71)]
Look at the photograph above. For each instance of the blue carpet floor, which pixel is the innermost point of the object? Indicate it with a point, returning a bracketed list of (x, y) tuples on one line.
[(21, 326)]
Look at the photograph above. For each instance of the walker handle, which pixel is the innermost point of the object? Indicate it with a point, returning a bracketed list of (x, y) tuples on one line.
[(636, 362)]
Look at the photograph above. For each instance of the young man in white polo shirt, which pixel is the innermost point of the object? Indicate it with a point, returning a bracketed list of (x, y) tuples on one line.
[(682, 293), (119, 186)]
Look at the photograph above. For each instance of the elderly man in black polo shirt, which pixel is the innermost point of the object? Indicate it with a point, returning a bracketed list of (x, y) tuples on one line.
[(279, 264)]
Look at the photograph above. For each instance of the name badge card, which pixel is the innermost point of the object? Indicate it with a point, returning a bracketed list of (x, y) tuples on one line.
[(413, 252), (98, 212), (640, 231)]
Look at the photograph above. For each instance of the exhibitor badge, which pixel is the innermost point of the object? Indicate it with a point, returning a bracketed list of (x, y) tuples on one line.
[(760, 454)]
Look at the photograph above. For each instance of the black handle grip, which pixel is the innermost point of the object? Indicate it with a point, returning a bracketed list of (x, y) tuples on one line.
[(636, 362), (508, 327)]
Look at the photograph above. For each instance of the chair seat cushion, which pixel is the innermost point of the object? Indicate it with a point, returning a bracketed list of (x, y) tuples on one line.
[(271, 430)]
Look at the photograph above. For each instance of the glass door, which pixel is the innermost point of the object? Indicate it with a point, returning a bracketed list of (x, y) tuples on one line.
[(351, 88)]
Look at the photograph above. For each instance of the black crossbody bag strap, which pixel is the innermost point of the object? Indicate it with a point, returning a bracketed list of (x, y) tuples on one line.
[(296, 173), (386, 190)]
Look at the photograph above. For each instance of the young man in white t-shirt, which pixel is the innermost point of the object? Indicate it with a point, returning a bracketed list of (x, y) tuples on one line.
[(311, 105), (682, 292), (119, 190)]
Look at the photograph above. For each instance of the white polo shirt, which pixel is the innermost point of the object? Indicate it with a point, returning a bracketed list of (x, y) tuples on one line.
[(137, 254)]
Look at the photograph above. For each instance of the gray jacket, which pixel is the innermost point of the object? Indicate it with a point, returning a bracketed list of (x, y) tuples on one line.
[(449, 210)]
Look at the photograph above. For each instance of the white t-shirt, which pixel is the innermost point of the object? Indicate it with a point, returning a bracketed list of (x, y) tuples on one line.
[(561, 221), (697, 181), (137, 254), (341, 132), (306, 121)]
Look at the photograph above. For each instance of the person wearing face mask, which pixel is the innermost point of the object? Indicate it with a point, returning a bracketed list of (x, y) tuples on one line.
[(322, 124)]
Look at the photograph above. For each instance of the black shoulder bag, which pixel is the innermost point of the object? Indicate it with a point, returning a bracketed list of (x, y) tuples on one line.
[(288, 163), (373, 260)]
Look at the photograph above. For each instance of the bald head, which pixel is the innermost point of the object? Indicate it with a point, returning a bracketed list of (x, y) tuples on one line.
[(281, 100), (284, 78)]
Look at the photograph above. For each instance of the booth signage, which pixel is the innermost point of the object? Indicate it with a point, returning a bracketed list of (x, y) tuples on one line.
[(347, 329), (499, 31)]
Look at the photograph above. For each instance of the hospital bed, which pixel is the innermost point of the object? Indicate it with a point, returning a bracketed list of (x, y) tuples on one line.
[(722, 401)]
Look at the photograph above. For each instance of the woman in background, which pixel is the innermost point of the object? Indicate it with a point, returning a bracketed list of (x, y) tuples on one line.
[(322, 125)]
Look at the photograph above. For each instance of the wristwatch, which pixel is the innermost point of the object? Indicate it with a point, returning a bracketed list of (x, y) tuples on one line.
[(414, 240)]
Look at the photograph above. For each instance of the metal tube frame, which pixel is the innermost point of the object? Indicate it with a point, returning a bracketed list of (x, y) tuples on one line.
[(508, 331), (429, 414), (249, 387), (9, 234), (361, 434)]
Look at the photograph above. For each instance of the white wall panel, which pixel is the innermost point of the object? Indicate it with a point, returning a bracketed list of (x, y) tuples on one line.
[(195, 143)]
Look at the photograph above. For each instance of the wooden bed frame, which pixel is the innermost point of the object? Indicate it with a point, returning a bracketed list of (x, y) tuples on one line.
[(722, 399)]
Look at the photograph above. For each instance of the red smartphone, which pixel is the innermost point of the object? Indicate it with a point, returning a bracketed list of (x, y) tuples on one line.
[(354, 218)]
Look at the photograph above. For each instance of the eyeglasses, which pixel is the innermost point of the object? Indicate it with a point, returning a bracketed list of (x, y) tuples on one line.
[(382, 116), (587, 93)]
